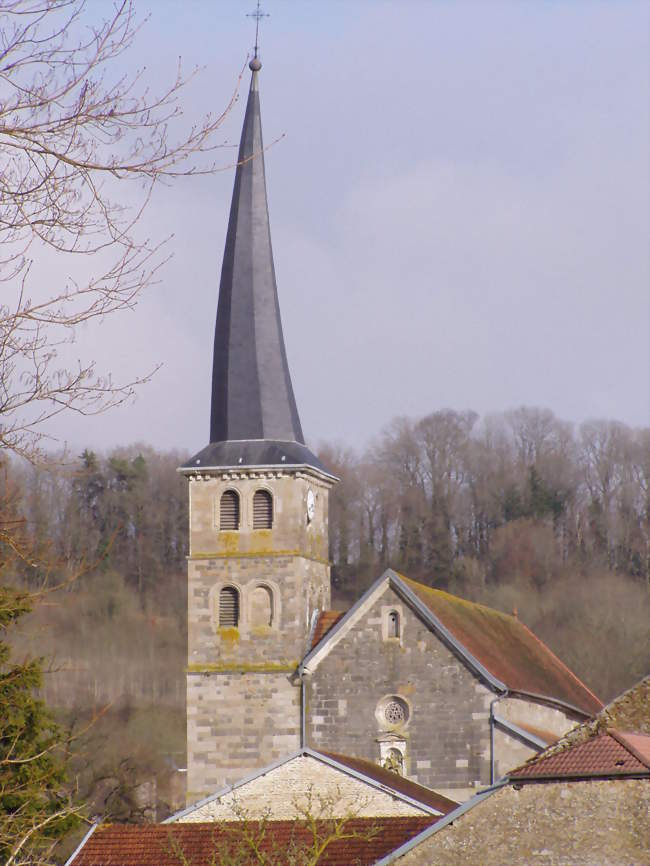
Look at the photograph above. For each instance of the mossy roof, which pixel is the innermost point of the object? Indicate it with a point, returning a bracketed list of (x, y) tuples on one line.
[(506, 648)]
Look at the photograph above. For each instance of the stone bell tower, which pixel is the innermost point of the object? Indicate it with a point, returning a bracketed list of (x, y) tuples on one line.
[(258, 564)]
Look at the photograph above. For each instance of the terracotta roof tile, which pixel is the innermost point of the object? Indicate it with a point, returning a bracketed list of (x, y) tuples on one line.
[(180, 844), (629, 711), (327, 619), (638, 744), (602, 755), (507, 648), (399, 783)]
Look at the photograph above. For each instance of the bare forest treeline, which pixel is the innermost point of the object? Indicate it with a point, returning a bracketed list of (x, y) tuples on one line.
[(520, 511)]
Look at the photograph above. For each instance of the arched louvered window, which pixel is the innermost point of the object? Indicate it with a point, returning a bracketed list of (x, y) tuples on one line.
[(393, 624), (262, 510), (228, 607), (229, 510)]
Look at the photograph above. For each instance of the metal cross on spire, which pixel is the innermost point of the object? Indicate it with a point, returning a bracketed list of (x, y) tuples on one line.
[(257, 14)]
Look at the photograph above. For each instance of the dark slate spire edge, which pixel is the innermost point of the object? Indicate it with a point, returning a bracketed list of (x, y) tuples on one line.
[(252, 394)]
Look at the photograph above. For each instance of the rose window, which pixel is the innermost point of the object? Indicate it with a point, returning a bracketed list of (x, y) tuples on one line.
[(396, 712)]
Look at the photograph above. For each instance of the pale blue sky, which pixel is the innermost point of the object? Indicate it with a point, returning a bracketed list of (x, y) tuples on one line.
[(459, 210)]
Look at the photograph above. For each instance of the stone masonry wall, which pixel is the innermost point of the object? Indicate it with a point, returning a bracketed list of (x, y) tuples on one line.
[(243, 709), (447, 734), (294, 582), (289, 560), (237, 723), (303, 783), (590, 823), (509, 751)]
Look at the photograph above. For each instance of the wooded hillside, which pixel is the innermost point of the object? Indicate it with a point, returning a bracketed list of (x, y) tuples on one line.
[(520, 511)]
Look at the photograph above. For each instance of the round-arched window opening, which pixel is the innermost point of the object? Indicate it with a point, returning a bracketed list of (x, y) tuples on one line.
[(396, 712), (261, 606), (392, 712), (262, 510), (393, 624), (229, 511), (228, 607)]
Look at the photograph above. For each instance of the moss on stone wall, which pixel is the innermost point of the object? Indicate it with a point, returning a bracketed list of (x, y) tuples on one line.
[(225, 667)]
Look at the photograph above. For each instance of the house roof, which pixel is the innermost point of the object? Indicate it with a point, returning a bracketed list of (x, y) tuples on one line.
[(507, 648), (616, 761), (327, 619), (418, 796), (499, 647), (392, 780), (629, 711), (608, 754), (363, 841)]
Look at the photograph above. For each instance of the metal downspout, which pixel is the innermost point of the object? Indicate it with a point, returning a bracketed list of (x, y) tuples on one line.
[(492, 723), (303, 712)]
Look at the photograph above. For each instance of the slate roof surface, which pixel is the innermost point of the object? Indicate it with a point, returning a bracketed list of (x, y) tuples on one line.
[(394, 780), (252, 395), (262, 452), (327, 619), (195, 844), (606, 754), (506, 648)]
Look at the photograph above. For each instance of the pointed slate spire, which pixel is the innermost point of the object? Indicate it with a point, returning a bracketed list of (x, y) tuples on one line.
[(254, 419), (252, 395)]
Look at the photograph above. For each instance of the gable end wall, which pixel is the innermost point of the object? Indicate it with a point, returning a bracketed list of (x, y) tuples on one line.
[(447, 736)]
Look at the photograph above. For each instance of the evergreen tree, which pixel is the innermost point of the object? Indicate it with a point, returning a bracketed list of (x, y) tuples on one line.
[(34, 808)]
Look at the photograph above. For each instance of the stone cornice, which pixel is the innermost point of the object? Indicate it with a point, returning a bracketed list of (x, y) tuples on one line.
[(265, 554)]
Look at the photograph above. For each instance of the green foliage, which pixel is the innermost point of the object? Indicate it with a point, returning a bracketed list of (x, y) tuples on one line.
[(34, 808), (519, 513), (544, 500)]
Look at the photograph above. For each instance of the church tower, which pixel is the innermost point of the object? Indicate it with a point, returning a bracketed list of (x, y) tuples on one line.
[(258, 566)]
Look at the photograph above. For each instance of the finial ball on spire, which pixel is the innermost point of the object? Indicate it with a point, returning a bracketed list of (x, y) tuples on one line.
[(255, 65)]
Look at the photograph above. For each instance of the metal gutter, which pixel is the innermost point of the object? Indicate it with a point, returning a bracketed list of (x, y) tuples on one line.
[(317, 756), (522, 733), (71, 858), (368, 780), (398, 584), (449, 818), (557, 702), (228, 788), (342, 622)]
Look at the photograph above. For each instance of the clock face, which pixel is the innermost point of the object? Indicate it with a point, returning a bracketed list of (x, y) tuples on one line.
[(311, 505)]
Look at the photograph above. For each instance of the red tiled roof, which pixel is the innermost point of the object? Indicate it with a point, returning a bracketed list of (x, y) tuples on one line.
[(327, 619), (393, 780), (638, 744), (606, 754), (507, 648), (367, 840)]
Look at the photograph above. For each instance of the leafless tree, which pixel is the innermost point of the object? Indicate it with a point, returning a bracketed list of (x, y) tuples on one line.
[(74, 128)]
